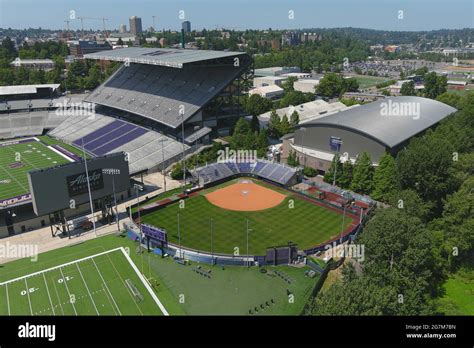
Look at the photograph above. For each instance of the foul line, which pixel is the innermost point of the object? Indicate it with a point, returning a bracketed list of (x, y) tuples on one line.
[(145, 283)]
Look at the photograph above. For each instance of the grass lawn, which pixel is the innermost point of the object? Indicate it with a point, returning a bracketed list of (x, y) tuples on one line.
[(51, 141), (232, 290), (459, 294), (369, 81), (305, 224), (17, 160)]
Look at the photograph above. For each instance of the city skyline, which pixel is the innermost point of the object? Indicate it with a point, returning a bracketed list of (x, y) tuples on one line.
[(241, 14)]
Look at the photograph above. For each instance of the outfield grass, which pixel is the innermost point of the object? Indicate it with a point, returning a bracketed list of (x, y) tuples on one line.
[(306, 224), (232, 290), (29, 156), (459, 294)]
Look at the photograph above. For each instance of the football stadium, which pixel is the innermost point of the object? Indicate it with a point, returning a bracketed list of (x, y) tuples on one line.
[(160, 105)]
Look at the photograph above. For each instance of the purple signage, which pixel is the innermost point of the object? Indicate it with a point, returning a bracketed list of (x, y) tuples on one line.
[(155, 233)]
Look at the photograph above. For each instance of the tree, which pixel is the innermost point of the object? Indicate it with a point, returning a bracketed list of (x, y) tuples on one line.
[(334, 169), (309, 172), (293, 160), (294, 120), (295, 98), (262, 143), (385, 178), (434, 85), (256, 105), (345, 177), (425, 165), (362, 174), (331, 85), (408, 88), (285, 126), (274, 124), (457, 226), (288, 84), (239, 136), (255, 124)]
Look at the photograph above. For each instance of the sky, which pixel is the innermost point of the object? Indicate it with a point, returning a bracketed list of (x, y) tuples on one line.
[(242, 14)]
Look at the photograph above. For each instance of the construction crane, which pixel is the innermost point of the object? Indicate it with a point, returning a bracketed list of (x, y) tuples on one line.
[(67, 27), (103, 19), (154, 28)]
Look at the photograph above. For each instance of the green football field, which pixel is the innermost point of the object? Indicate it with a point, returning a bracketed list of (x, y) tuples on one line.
[(230, 290), (305, 224), (17, 160), (107, 283)]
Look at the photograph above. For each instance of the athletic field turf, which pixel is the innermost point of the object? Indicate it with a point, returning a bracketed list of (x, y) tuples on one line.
[(17, 160), (303, 223), (229, 290), (107, 283)]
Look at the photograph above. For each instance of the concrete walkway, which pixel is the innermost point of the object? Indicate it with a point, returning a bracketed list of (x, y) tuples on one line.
[(44, 241)]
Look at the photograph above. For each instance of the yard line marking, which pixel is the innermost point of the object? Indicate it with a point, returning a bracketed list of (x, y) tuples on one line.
[(125, 285), (58, 267), (49, 296), (57, 295), (147, 286), (108, 298), (19, 183), (67, 288), (88, 291), (28, 294), (100, 274), (8, 300)]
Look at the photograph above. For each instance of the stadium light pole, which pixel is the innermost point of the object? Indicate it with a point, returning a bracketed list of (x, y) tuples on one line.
[(248, 230), (115, 201), (212, 251), (342, 226), (163, 164), (336, 161), (182, 139), (89, 187), (179, 237)]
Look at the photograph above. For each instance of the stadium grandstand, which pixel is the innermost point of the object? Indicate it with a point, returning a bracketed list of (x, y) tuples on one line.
[(27, 110), (168, 87), (102, 134), (275, 172), (160, 105)]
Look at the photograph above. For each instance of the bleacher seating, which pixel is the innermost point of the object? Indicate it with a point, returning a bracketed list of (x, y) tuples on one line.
[(157, 92), (272, 171), (104, 134)]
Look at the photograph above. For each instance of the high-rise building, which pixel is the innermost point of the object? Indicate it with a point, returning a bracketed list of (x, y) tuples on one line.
[(187, 26), (122, 29), (135, 25)]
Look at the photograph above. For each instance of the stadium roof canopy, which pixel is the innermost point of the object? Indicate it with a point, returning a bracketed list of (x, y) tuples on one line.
[(389, 129), (174, 58), (25, 89)]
